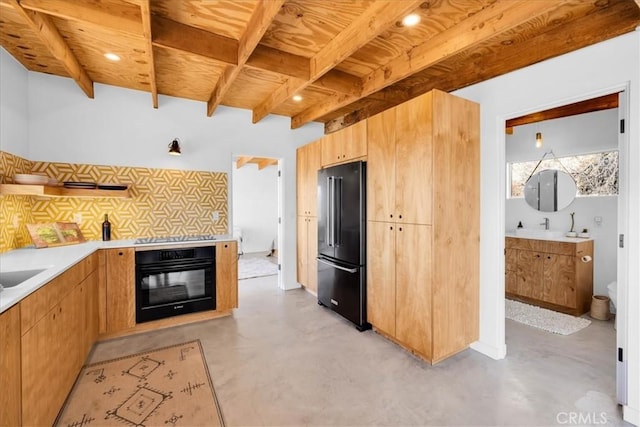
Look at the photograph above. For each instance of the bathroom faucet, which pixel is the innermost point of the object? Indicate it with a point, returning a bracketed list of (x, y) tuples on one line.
[(545, 223)]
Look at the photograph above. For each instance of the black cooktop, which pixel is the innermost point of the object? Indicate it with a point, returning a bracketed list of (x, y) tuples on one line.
[(174, 239)]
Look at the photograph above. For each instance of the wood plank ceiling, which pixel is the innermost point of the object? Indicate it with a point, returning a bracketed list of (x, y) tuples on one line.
[(346, 59)]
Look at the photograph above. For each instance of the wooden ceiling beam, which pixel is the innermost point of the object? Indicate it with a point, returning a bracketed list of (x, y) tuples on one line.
[(258, 24), (145, 11), (264, 162), (366, 27), (120, 17), (493, 20), (458, 72), (175, 35), (49, 35), (287, 64), (605, 102), (243, 160)]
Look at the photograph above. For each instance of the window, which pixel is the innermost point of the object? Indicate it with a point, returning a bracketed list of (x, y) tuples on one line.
[(595, 174)]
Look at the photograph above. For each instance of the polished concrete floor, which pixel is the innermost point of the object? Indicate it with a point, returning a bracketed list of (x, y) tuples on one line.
[(282, 360)]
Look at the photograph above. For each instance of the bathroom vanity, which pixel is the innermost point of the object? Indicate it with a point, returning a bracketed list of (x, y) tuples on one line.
[(554, 274)]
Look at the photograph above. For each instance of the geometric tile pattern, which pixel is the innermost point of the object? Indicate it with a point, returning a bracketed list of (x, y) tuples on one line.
[(15, 211), (163, 201)]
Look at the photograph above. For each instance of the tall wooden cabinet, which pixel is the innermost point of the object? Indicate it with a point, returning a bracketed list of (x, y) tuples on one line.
[(120, 289), (308, 160), (226, 275), (423, 214)]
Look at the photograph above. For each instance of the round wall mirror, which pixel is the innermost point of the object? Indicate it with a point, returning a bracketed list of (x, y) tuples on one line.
[(550, 190)]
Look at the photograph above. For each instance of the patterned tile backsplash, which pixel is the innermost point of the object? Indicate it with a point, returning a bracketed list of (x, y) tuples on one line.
[(163, 202)]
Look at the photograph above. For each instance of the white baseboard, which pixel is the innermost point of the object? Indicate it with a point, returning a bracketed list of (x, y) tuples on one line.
[(631, 415), (491, 351)]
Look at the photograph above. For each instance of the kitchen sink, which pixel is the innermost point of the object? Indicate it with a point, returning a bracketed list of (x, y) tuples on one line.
[(9, 279)]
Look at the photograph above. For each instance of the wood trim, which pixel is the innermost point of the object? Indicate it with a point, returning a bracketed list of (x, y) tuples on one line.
[(166, 323), (588, 106), (10, 367), (47, 191), (46, 30), (241, 161)]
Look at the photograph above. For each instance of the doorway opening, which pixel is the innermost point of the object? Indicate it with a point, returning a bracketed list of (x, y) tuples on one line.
[(255, 206), (583, 141)]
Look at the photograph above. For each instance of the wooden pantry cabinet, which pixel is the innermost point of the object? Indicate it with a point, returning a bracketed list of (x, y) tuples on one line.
[(423, 213), (226, 275), (550, 274), (120, 293), (345, 145), (308, 162)]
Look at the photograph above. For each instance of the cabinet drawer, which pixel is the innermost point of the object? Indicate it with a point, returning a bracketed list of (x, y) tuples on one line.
[(560, 248), (525, 244)]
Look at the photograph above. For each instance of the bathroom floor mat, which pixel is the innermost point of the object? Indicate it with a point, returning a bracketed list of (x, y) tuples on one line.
[(548, 320)]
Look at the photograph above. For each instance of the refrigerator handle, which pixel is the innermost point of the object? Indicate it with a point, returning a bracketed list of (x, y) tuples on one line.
[(337, 211), (339, 267), (329, 197)]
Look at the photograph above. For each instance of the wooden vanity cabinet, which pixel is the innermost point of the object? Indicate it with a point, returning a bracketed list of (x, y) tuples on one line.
[(423, 214), (308, 162), (550, 274)]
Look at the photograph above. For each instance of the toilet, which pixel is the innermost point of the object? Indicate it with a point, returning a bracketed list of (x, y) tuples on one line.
[(613, 296)]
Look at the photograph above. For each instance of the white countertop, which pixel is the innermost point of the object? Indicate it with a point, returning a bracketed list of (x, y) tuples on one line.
[(554, 239), (57, 260)]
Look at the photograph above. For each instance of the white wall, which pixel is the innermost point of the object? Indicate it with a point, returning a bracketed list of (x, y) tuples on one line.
[(579, 75), (120, 127), (582, 134), (13, 106), (255, 206)]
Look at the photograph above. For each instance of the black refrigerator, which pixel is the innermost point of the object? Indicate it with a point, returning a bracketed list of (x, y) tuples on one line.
[(342, 228)]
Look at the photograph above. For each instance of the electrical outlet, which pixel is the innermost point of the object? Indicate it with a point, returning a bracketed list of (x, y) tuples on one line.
[(77, 218), (16, 221), (215, 216), (597, 220)]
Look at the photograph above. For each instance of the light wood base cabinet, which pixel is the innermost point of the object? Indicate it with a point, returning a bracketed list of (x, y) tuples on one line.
[(120, 289), (226, 276), (55, 346), (550, 274), (10, 368), (423, 214)]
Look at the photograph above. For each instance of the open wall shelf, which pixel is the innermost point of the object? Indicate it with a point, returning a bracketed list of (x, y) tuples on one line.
[(49, 191)]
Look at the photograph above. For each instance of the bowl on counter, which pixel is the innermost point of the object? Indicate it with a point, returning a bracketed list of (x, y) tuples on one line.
[(30, 179)]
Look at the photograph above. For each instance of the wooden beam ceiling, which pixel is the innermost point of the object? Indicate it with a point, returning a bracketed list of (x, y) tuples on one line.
[(377, 18), (42, 25), (258, 24), (496, 18)]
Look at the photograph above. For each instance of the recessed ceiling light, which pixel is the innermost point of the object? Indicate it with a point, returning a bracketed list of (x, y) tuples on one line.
[(411, 20), (112, 56), (297, 98)]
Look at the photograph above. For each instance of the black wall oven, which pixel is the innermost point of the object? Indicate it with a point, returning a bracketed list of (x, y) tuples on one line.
[(171, 282)]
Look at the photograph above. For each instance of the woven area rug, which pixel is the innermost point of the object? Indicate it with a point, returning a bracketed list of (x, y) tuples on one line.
[(255, 267), (164, 387), (548, 320)]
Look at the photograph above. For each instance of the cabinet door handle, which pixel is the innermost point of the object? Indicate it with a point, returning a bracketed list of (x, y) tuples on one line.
[(120, 253), (400, 216), (391, 216), (390, 228), (400, 229)]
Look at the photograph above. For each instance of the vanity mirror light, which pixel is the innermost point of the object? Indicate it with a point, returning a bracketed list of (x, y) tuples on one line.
[(550, 190)]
